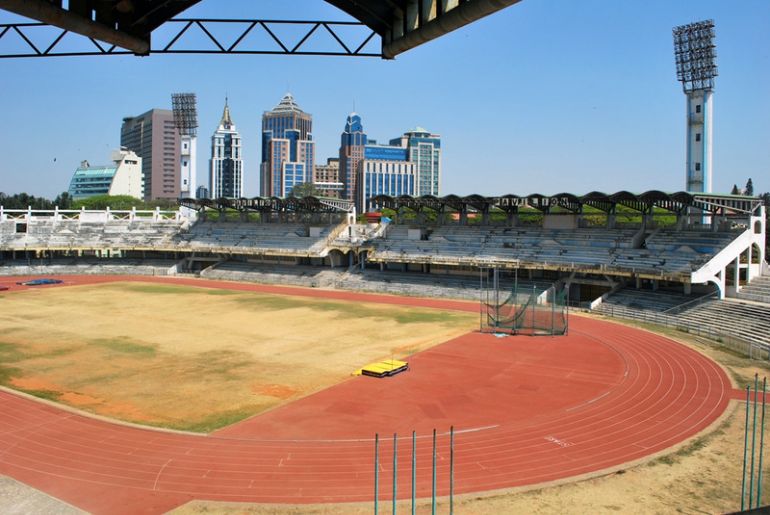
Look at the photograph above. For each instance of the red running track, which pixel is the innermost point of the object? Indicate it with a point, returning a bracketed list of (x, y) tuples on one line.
[(525, 410)]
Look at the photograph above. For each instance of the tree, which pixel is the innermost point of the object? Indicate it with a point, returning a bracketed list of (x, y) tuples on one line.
[(749, 188), (117, 202), (63, 200), (304, 189), (735, 190)]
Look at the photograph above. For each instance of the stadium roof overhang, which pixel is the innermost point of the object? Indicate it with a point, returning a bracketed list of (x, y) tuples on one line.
[(128, 24), (565, 202), (271, 204)]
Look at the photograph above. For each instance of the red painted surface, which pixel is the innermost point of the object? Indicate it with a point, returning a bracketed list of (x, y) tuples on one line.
[(525, 410)]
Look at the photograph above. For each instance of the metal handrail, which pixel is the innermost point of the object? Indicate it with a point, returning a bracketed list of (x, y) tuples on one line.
[(694, 302)]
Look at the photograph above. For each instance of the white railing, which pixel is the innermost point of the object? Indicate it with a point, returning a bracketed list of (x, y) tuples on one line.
[(88, 215)]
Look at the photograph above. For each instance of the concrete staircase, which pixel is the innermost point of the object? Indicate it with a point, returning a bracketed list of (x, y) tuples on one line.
[(758, 290)]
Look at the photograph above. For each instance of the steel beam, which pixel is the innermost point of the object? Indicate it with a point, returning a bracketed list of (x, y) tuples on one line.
[(49, 13), (440, 24)]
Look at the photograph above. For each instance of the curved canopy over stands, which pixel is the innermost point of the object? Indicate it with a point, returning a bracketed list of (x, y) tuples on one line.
[(270, 204), (510, 203), (679, 203)]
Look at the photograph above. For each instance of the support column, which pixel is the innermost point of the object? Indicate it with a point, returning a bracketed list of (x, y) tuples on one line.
[(737, 273), (687, 288)]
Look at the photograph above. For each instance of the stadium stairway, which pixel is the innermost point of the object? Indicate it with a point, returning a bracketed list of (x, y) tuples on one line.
[(758, 290)]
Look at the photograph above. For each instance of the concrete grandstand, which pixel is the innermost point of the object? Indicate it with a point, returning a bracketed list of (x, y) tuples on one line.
[(688, 257)]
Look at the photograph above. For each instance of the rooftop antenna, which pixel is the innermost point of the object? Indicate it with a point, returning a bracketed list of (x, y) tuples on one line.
[(695, 56)]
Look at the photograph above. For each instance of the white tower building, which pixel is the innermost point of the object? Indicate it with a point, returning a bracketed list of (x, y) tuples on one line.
[(226, 164), (186, 122), (188, 156), (696, 69)]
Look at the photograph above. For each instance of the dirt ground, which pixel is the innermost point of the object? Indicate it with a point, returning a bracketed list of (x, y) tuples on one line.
[(702, 475), (132, 351)]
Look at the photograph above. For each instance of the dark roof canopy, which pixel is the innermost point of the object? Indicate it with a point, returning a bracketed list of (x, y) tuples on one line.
[(643, 202), (402, 24)]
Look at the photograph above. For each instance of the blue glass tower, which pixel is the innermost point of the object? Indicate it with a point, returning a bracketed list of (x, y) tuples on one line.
[(352, 145), (288, 149)]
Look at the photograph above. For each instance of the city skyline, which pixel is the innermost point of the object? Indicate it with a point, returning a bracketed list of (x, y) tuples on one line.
[(558, 97)]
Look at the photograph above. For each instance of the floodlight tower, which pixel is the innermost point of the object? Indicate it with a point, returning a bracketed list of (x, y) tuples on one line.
[(696, 68), (186, 122)]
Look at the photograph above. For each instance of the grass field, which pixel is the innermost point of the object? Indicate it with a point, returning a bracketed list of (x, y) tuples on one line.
[(194, 358)]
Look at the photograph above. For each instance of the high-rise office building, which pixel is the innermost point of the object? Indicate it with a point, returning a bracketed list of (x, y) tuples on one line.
[(352, 145), (384, 170), (154, 138), (288, 149), (326, 179), (424, 150), (226, 164)]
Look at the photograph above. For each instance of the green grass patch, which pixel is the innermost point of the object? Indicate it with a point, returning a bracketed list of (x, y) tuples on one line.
[(174, 289), (8, 373), (220, 363), (215, 420), (395, 314), (43, 394), (125, 345), (10, 353)]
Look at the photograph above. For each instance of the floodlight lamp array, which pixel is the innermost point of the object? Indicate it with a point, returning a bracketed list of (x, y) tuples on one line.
[(185, 113), (695, 54)]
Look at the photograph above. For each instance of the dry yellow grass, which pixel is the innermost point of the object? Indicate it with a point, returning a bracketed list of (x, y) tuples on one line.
[(195, 358)]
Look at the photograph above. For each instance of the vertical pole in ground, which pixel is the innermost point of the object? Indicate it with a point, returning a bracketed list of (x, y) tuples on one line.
[(376, 471), (761, 442), (566, 310), (496, 283), (534, 305), (414, 468), (481, 298), (553, 305), (753, 442), (451, 469), (433, 478), (745, 450), (395, 471)]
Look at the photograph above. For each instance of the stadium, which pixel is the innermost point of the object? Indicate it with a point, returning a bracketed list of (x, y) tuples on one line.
[(498, 353), (589, 397)]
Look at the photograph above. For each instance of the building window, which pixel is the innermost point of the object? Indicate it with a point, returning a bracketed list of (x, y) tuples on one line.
[(697, 167), (697, 136), (697, 108)]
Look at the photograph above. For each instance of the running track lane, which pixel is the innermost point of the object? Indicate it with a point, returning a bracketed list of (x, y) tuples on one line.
[(526, 410)]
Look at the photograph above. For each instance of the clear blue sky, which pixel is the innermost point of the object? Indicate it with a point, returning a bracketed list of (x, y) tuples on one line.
[(544, 96)]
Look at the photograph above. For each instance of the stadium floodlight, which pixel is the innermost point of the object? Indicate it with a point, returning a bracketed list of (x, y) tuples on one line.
[(185, 113), (695, 55), (186, 121)]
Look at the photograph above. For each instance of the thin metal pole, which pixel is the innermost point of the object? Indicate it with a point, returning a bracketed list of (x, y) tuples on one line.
[(376, 471), (395, 471), (433, 479), (753, 441), (451, 469), (745, 449), (481, 299), (553, 305), (761, 442), (414, 468)]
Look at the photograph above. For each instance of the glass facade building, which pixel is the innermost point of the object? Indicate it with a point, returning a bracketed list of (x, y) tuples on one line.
[(424, 150), (382, 177), (288, 149), (352, 144)]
